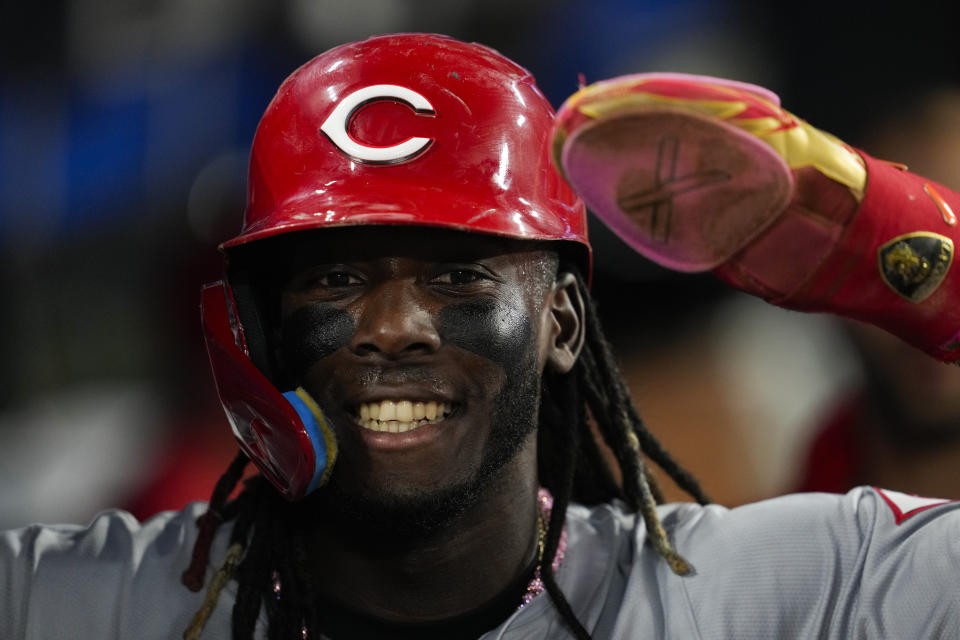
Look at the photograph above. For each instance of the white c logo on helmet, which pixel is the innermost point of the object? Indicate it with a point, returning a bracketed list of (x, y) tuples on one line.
[(335, 126)]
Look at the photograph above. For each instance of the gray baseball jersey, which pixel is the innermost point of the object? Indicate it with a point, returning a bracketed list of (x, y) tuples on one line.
[(868, 564)]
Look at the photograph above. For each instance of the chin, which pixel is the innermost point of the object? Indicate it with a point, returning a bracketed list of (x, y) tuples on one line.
[(402, 517), (394, 519)]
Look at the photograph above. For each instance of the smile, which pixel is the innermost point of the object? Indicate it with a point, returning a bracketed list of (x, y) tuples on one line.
[(400, 416)]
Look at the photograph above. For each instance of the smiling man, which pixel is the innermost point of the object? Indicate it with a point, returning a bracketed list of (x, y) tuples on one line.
[(426, 349), (406, 349), (409, 277)]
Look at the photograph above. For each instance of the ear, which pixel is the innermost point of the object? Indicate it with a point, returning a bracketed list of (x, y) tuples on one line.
[(565, 319)]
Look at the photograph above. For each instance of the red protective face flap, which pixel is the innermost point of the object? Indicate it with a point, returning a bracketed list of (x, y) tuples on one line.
[(277, 430)]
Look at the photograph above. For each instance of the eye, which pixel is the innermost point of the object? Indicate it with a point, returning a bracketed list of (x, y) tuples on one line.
[(336, 279), (460, 276), (325, 278)]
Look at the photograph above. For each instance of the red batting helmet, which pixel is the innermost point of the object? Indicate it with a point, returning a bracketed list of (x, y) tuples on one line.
[(407, 129)]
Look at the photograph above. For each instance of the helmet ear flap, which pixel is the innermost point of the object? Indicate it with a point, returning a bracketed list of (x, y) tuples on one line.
[(254, 282), (250, 315), (286, 435)]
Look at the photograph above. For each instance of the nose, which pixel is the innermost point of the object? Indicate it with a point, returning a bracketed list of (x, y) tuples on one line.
[(395, 321)]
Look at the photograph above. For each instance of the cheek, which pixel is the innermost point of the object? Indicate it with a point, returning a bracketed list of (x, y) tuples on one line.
[(496, 331), (311, 333)]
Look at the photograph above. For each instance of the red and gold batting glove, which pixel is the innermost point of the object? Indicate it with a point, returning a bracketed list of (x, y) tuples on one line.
[(700, 174)]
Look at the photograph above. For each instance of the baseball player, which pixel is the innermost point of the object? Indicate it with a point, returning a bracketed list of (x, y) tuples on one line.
[(406, 349)]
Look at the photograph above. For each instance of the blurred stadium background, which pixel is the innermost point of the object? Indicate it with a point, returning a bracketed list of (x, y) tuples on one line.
[(124, 132)]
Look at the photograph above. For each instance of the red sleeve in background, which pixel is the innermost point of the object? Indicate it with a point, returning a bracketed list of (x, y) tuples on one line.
[(832, 462)]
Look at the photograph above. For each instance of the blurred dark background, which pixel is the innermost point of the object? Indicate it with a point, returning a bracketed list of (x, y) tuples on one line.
[(124, 132)]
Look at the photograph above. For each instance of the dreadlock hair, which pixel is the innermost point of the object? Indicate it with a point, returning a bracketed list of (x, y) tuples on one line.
[(267, 553)]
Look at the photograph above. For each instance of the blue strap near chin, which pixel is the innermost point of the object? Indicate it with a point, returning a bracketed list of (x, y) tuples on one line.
[(321, 435)]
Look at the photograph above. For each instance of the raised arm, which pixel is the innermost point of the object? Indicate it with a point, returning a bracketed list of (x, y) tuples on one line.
[(699, 173)]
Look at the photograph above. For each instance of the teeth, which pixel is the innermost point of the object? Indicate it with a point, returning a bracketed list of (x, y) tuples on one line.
[(399, 416), (404, 411), (388, 410)]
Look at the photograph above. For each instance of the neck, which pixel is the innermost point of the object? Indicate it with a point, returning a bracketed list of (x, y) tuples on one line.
[(449, 573)]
